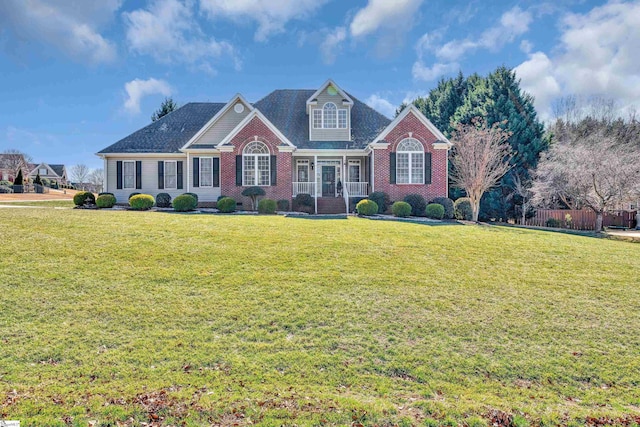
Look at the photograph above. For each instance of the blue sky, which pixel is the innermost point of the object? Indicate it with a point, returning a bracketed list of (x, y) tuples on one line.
[(76, 76)]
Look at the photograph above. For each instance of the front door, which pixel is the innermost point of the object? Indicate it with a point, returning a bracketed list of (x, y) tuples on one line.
[(328, 181)]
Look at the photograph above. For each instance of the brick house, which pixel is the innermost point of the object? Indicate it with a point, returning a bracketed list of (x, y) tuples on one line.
[(322, 142)]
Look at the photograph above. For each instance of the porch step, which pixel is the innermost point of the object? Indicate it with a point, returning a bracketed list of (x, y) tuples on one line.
[(331, 205)]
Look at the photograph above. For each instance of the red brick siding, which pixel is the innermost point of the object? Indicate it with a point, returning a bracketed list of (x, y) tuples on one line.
[(255, 128), (437, 188)]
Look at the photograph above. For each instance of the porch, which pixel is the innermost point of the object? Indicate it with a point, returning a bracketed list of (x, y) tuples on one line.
[(331, 177)]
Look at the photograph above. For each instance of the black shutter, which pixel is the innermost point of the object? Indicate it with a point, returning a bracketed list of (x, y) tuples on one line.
[(196, 171), (138, 175), (161, 175), (179, 173), (216, 171), (427, 168), (238, 170), (119, 175), (392, 168), (274, 170)]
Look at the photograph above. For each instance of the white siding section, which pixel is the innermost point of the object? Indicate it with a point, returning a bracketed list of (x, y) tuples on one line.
[(150, 180), (223, 126), (330, 134)]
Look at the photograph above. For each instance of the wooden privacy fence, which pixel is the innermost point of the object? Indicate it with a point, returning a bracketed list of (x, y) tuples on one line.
[(584, 219)]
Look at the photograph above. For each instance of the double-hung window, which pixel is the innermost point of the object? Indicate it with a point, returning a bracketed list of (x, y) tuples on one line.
[(129, 174), (330, 117), (170, 174), (303, 170), (410, 162), (206, 171), (256, 165), (354, 171)]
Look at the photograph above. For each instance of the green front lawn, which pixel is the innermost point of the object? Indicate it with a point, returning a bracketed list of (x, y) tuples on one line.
[(41, 203), (126, 317)]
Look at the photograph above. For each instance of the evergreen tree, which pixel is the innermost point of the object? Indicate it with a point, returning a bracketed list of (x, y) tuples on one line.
[(38, 180), (19, 180), (167, 106)]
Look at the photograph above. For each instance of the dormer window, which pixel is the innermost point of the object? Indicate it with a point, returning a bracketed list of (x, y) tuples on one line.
[(330, 117)]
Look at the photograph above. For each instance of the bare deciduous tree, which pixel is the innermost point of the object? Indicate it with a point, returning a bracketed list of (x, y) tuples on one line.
[(522, 188), (96, 178), (14, 160), (596, 172), (480, 158), (79, 174)]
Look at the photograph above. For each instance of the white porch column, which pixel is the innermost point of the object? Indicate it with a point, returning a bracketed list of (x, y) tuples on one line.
[(188, 174), (315, 180), (372, 172), (105, 179)]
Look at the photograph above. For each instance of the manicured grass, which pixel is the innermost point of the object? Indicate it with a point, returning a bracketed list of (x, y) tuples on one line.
[(125, 317), (43, 203)]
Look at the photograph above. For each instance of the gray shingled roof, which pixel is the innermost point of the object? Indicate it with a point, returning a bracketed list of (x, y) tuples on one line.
[(287, 110), (169, 133), (58, 169)]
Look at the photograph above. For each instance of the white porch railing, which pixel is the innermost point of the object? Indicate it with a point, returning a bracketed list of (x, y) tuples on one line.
[(357, 189), (304, 188)]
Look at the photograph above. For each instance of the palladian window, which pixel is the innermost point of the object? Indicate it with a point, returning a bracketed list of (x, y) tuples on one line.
[(256, 164), (410, 162)]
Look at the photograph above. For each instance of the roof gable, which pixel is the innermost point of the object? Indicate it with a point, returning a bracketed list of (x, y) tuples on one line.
[(412, 109), (312, 99)]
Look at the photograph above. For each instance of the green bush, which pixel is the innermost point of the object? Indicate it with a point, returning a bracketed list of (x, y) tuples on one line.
[(447, 204), (367, 207), (141, 202), (418, 204), (102, 194), (434, 211), (462, 209), (401, 209), (283, 205), (554, 223), (194, 195), (382, 199), (7, 183), (302, 201), (220, 197), (84, 197), (267, 206), (133, 194), (253, 193), (226, 205), (105, 201), (163, 200), (184, 202)]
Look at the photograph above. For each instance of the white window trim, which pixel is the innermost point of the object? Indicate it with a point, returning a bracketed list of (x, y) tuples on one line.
[(303, 162), (124, 185), (200, 168), (355, 162), (46, 171), (256, 170), (166, 187), (322, 121), (411, 154)]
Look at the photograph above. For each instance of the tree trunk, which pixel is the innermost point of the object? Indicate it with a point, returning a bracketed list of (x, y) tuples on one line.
[(599, 222), (475, 210)]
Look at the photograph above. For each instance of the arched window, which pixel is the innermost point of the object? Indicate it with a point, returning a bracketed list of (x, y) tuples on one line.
[(330, 115), (410, 162), (255, 164)]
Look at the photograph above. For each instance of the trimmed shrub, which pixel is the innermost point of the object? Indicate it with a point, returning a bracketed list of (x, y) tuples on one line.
[(434, 211), (401, 209), (462, 209), (253, 193), (418, 204), (447, 204), (267, 206), (83, 197), (163, 200), (105, 201), (141, 202), (554, 223), (102, 194), (283, 205), (220, 197), (46, 182), (183, 203), (367, 207), (226, 205), (303, 202), (133, 194), (382, 199), (194, 195)]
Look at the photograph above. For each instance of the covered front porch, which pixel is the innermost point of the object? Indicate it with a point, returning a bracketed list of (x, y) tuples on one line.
[(331, 176)]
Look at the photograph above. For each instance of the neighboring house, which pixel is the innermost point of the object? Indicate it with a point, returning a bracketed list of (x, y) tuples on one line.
[(57, 173), (290, 142), (10, 164)]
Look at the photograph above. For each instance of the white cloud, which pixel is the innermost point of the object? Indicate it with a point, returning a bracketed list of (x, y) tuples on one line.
[(598, 54), (271, 16), (392, 19), (167, 30), (513, 23), (382, 105), (138, 89), (331, 45), (72, 27)]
